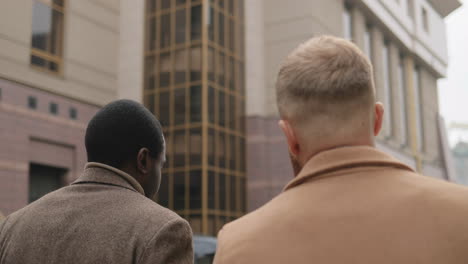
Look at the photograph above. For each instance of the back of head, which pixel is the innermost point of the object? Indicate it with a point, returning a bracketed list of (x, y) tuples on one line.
[(119, 130), (326, 86)]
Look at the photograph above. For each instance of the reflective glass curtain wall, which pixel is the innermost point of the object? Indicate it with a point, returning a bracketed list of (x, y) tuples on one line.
[(194, 84)]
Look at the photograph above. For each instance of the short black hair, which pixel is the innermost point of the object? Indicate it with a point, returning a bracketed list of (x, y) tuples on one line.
[(119, 130)]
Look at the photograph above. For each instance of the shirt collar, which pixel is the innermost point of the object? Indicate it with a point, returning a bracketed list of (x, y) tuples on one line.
[(344, 158), (102, 173)]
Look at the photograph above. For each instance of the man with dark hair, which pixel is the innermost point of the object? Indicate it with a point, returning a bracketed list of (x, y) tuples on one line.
[(104, 216)]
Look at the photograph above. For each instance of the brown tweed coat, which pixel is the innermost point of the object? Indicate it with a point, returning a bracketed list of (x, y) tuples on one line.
[(103, 217)]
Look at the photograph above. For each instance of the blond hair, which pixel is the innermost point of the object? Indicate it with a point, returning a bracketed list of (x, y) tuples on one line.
[(325, 76)]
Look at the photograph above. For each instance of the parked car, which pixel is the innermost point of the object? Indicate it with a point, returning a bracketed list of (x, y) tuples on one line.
[(204, 248)]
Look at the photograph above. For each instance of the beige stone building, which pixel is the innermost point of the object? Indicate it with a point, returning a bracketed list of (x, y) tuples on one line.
[(207, 69), (406, 42)]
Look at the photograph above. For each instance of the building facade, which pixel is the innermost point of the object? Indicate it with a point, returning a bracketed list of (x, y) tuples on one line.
[(206, 69), (406, 43)]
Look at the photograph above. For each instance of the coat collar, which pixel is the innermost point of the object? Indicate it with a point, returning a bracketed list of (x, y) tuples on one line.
[(102, 173), (344, 158)]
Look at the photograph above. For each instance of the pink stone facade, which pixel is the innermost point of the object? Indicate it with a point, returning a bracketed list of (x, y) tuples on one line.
[(37, 136), (268, 164)]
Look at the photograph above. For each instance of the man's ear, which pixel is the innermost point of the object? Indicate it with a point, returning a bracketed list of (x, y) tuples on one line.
[(142, 161), (378, 118), (291, 137)]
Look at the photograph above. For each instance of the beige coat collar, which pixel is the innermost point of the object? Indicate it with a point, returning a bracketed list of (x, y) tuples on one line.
[(344, 158), (102, 173)]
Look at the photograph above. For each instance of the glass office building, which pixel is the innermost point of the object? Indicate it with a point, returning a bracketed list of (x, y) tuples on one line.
[(194, 84)]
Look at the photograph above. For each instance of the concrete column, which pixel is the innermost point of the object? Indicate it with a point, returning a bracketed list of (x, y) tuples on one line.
[(397, 122), (359, 27), (413, 134), (377, 61), (131, 51)]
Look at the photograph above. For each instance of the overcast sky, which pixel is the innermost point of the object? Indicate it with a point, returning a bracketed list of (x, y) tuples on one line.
[(453, 90)]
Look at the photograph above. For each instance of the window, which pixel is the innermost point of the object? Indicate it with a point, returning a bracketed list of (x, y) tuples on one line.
[(43, 180), (402, 99), (387, 89), (47, 34), (368, 42), (53, 108), (32, 102), (418, 106), (425, 19), (73, 113), (347, 23)]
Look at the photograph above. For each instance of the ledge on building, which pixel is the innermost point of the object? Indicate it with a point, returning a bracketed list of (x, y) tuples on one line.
[(444, 8)]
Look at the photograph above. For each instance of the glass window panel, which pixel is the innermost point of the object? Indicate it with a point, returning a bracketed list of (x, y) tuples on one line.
[(195, 189), (211, 104), (152, 31), (165, 39), (179, 106), (221, 69), (222, 108), (53, 66), (232, 193), (211, 147), (149, 73), (196, 19), (240, 78), (149, 102), (164, 69), (151, 5), (195, 104), (179, 191), (232, 74), (221, 29), (58, 2), (195, 147), (181, 2), (211, 190), (242, 154), (163, 110), (232, 112), (221, 146), (211, 64), (231, 6), (211, 227), (165, 4), (221, 4), (181, 25), (211, 24), (179, 148), (41, 25), (195, 63), (232, 29), (163, 193), (222, 191), (56, 35), (180, 65), (232, 152), (169, 149), (38, 61), (196, 223), (242, 194)]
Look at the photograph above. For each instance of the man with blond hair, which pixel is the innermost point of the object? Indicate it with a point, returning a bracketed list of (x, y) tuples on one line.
[(348, 202)]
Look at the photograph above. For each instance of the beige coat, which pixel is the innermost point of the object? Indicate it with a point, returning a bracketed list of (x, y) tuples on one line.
[(103, 217), (354, 205)]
